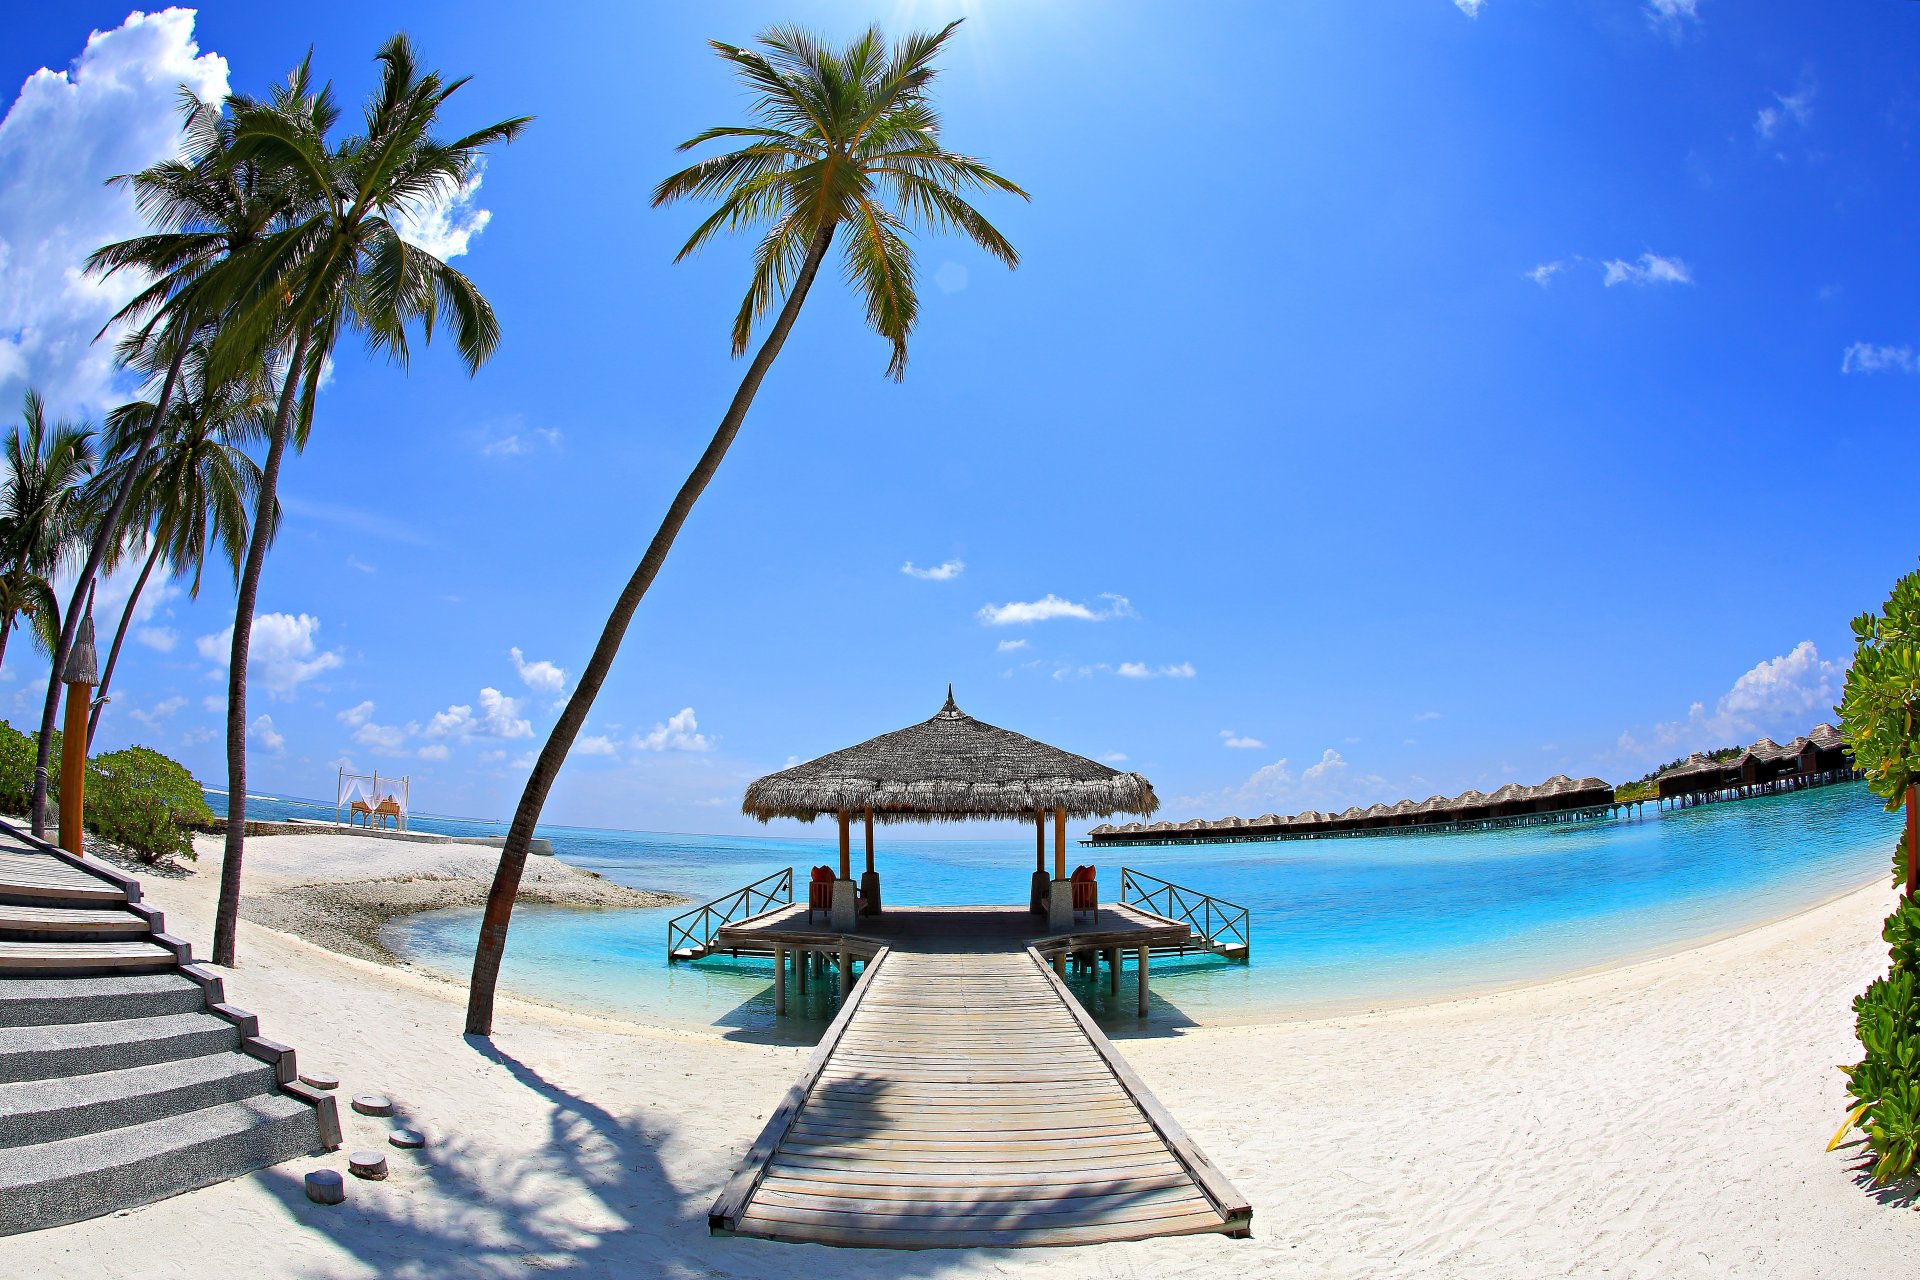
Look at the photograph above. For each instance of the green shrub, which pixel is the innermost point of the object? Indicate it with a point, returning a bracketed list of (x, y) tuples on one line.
[(1880, 716), (16, 770), (145, 803)]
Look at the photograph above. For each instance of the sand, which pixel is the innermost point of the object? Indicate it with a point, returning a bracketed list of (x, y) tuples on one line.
[(1666, 1118)]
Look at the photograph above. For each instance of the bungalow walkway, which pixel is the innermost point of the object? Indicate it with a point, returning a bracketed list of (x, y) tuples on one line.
[(966, 1099)]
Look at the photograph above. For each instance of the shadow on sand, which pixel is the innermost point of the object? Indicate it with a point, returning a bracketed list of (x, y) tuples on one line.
[(595, 1198)]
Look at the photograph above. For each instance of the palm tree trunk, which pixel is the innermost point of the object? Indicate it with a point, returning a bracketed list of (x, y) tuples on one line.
[(513, 857), (226, 920), (119, 638), (102, 540), (6, 630)]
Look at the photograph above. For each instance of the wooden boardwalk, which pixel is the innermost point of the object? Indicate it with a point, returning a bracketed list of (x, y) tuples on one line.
[(968, 1100)]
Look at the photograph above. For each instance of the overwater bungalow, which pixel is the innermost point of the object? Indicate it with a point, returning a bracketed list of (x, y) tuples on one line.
[(1815, 759)]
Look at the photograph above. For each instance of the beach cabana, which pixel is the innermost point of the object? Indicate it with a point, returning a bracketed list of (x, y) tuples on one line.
[(951, 768)]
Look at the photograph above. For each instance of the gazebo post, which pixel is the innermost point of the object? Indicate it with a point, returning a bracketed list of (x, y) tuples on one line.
[(842, 917), (1143, 982), (870, 881), (779, 982), (1037, 896), (1060, 892)]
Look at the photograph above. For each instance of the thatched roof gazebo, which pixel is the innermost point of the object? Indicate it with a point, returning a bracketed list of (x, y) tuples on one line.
[(950, 768)]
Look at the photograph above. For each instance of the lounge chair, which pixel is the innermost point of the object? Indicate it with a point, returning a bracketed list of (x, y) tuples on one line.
[(358, 807), (388, 808)]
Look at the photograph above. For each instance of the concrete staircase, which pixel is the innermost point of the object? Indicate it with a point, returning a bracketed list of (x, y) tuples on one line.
[(125, 1076)]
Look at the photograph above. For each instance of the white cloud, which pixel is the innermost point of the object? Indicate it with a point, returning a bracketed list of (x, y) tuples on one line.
[(1543, 274), (594, 745), (1671, 16), (1329, 783), (1425, 716), (445, 226), (1008, 646), (499, 718), (1471, 8), (162, 639), (65, 134), (355, 562), (1228, 738), (215, 702), (1141, 671), (1865, 357), (1795, 107), (382, 739), (541, 676), (1649, 268), (263, 732), (943, 572), (356, 716), (1115, 757), (434, 751), (284, 653), (158, 712), (951, 277), (1780, 698), (516, 443), (679, 733), (1051, 606)]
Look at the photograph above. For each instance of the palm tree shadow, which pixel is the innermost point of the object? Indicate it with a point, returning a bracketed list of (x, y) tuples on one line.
[(595, 1198)]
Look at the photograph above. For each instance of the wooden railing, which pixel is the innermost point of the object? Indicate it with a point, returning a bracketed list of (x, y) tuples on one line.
[(1222, 926), (690, 936)]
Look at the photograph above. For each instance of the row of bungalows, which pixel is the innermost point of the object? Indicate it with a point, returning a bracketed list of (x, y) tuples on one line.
[(1814, 760), (1558, 799)]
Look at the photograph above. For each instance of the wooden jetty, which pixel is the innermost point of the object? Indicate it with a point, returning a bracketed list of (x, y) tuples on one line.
[(966, 1099)]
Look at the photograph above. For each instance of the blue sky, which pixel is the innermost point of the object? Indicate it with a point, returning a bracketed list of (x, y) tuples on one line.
[(1401, 399)]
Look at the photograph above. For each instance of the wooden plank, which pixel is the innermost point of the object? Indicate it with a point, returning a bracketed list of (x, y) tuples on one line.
[(1225, 1196), (940, 1188), (734, 1196)]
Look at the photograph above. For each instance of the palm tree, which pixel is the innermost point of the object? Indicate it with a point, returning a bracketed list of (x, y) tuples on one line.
[(338, 263), (45, 513), (192, 497), (205, 207), (843, 138)]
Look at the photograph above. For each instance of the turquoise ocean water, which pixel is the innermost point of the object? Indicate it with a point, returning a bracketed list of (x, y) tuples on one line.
[(1337, 924)]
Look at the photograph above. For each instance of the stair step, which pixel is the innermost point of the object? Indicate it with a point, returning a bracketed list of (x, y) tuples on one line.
[(43, 878), (42, 1111), (74, 957), (73, 1049), (76, 1178), (41, 1002), (87, 921)]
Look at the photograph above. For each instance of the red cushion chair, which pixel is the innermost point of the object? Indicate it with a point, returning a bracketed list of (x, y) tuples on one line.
[(820, 892), (1086, 890)]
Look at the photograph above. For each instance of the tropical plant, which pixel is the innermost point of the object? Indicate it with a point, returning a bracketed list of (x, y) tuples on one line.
[(16, 770), (841, 139), (1880, 716), (191, 499), (45, 511), (205, 206), (336, 263), (145, 803)]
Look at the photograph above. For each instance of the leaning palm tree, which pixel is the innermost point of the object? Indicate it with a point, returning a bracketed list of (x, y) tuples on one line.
[(45, 516), (843, 139), (204, 207), (191, 498), (337, 264)]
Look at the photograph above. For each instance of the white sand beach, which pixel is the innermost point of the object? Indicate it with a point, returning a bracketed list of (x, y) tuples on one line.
[(1666, 1118)]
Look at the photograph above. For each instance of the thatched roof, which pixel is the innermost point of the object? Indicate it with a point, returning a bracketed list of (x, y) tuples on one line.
[(950, 768)]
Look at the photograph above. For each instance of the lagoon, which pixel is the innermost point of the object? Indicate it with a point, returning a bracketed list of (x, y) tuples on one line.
[(1338, 925)]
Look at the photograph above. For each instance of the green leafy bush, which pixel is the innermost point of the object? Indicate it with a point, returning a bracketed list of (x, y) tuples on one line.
[(16, 770), (145, 803), (1880, 716)]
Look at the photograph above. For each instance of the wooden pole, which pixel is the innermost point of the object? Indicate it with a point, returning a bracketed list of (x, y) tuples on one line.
[(1039, 842), (1143, 982), (846, 972), (779, 982), (1059, 844), (846, 849), (73, 767), (869, 839)]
